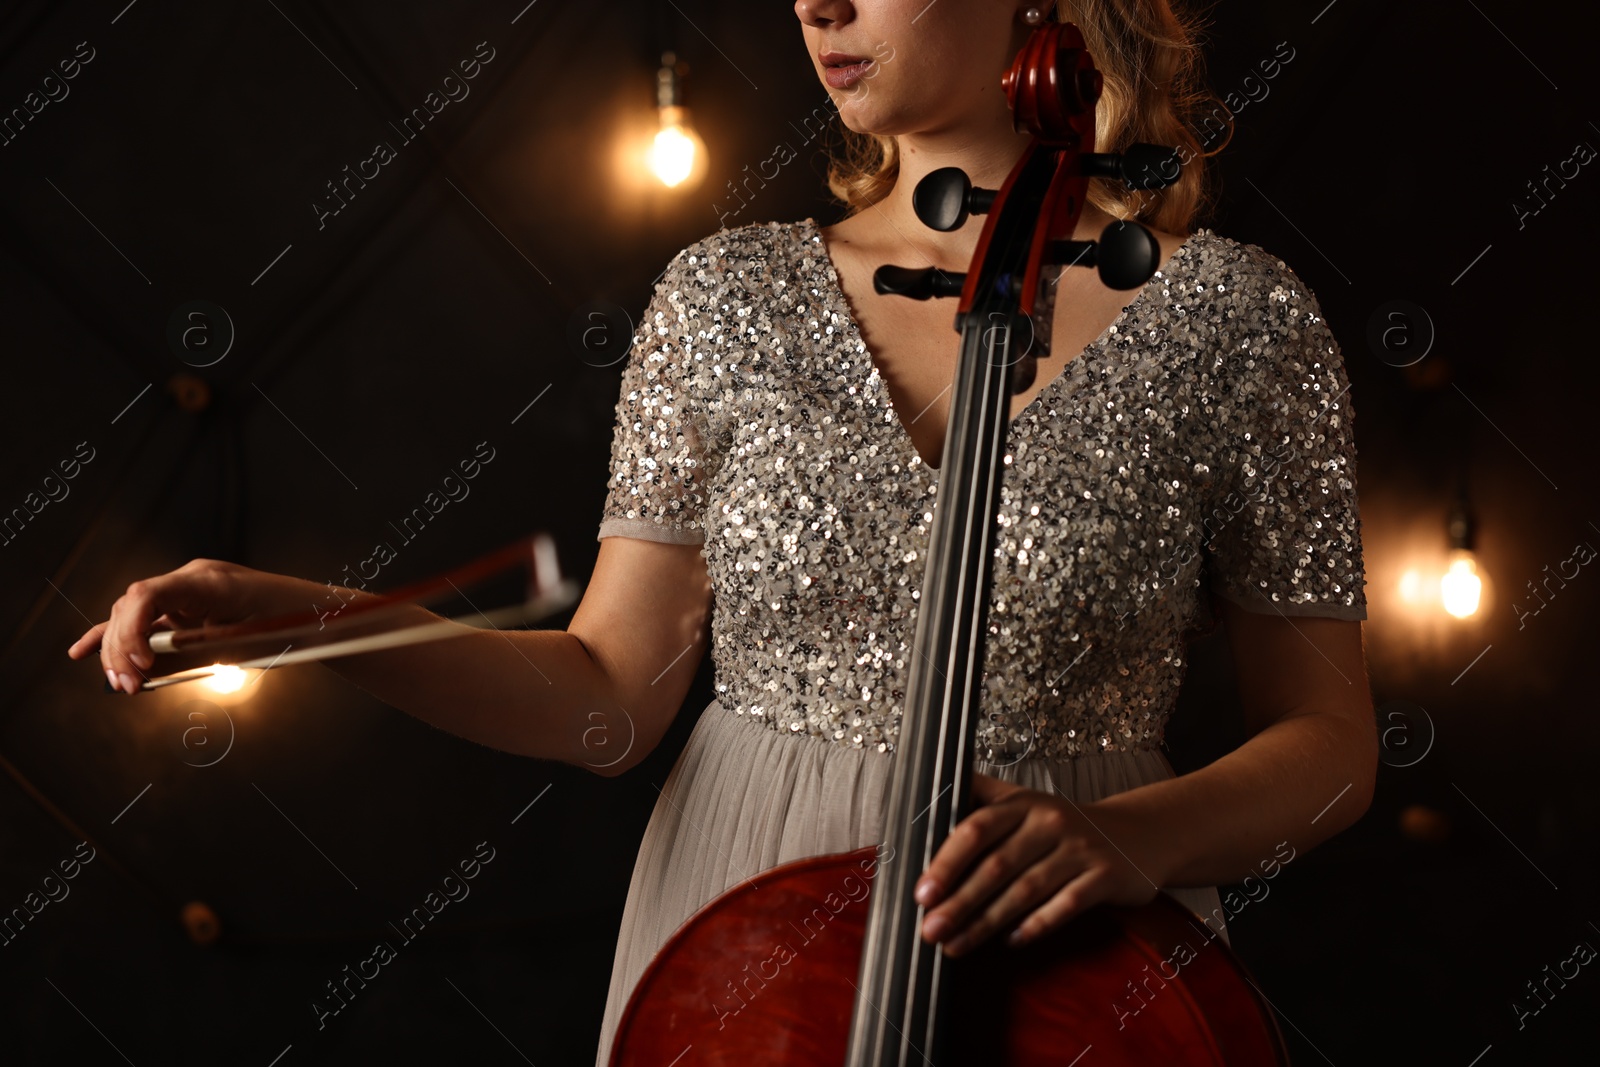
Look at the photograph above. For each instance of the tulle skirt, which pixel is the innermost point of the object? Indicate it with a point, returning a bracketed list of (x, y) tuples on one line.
[(743, 798)]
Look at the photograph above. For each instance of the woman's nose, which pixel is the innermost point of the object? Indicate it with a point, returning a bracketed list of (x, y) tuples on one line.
[(821, 13)]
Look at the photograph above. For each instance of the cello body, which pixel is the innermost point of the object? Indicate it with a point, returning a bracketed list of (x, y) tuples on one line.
[(765, 974)]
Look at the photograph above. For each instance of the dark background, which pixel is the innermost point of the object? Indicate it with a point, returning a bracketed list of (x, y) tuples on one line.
[(375, 352)]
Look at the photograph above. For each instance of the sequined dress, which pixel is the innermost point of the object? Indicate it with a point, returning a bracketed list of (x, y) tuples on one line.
[(1201, 446)]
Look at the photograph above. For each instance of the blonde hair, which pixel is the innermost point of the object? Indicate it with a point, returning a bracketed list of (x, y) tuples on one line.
[(1148, 54)]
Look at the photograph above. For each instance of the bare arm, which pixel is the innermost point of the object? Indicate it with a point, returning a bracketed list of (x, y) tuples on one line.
[(1306, 772), (1029, 860), (623, 665)]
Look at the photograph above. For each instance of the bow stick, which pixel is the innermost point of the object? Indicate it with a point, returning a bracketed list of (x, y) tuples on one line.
[(549, 594)]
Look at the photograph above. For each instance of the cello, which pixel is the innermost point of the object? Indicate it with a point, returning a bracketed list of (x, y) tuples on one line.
[(865, 990)]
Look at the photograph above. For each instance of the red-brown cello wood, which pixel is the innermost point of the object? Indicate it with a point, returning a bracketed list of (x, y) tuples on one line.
[(766, 974), (820, 962)]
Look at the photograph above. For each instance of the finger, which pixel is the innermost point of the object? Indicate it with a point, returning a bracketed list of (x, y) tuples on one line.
[(987, 789), (107, 659), (1021, 894), (972, 837), (125, 648), (123, 674), (989, 880), (88, 643), (952, 859), (1091, 887)]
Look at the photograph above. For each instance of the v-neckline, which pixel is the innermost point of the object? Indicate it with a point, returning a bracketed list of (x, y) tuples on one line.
[(841, 301)]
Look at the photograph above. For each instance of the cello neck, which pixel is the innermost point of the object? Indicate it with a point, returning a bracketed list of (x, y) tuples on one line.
[(897, 1020)]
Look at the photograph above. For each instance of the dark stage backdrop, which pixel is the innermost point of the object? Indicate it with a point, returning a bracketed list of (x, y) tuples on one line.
[(232, 362)]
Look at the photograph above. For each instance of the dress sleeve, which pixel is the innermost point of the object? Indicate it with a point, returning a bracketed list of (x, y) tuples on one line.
[(658, 463), (1285, 537)]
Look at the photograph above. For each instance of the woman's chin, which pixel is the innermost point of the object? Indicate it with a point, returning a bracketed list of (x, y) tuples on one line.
[(857, 127), (858, 118)]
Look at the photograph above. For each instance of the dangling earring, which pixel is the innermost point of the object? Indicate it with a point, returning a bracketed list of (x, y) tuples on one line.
[(1034, 16)]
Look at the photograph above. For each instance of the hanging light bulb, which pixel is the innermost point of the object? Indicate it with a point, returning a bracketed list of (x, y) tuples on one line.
[(1461, 587), (226, 678), (677, 155)]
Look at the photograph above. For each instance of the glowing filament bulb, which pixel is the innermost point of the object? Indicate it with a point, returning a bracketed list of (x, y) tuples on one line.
[(677, 156), (1461, 588), (226, 679), (677, 152)]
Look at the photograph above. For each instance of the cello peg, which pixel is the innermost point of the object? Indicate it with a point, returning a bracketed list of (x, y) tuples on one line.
[(1073, 253), (1127, 255), (944, 198), (917, 283), (1141, 166)]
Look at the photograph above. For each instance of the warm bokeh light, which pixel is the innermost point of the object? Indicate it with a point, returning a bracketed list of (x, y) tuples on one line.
[(226, 679), (677, 155), (1460, 589), (1423, 823), (1454, 584)]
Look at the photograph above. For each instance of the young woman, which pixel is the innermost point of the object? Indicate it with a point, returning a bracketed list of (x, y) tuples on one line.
[(1183, 457)]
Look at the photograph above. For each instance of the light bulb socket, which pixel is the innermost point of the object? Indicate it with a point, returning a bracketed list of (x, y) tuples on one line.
[(669, 81), (1462, 527)]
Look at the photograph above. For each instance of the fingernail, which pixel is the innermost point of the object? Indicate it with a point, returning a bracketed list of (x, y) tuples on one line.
[(111, 679), (1016, 937), (927, 891), (934, 927), (128, 684), (140, 660)]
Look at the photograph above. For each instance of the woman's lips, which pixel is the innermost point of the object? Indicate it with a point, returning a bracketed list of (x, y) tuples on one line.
[(842, 71)]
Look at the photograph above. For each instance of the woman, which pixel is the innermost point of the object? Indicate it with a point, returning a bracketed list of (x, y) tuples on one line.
[(1181, 459)]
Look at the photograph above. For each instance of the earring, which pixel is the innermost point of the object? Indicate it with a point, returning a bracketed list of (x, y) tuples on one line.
[(1033, 16)]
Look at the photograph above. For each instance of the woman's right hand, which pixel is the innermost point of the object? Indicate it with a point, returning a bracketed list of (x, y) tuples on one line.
[(201, 592)]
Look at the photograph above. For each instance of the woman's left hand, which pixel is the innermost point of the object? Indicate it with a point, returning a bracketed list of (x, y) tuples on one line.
[(1030, 861)]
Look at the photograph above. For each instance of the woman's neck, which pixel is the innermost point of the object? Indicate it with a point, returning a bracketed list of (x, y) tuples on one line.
[(986, 159)]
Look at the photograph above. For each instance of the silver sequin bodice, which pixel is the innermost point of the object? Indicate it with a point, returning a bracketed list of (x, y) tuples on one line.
[(1201, 446)]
